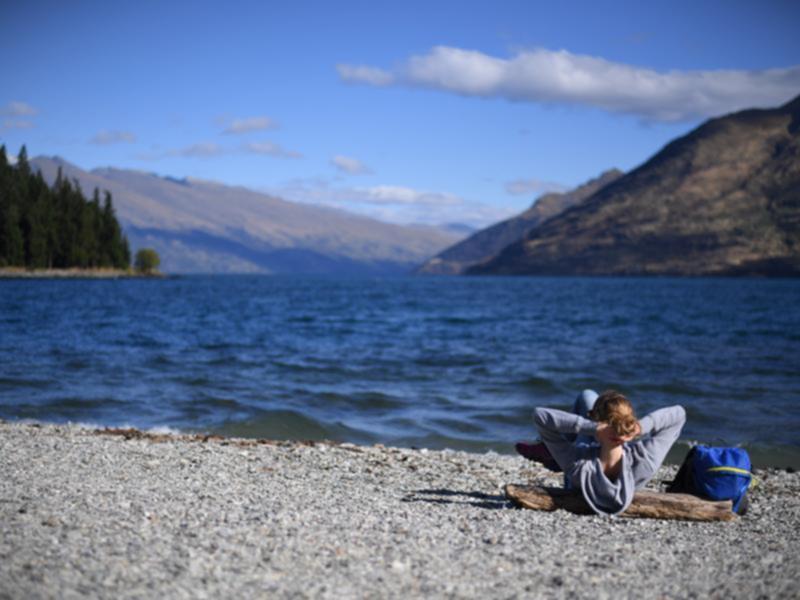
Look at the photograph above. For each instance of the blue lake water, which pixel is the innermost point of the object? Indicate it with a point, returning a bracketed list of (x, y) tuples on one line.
[(429, 362)]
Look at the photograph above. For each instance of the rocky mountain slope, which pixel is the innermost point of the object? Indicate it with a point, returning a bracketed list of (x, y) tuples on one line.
[(201, 226), (722, 200), (486, 243)]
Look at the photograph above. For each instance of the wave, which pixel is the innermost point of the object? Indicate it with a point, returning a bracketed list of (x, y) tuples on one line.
[(540, 384), (355, 401), (25, 382), (276, 425), (452, 360)]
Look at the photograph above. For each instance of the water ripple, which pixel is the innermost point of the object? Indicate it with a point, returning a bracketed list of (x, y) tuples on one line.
[(428, 362)]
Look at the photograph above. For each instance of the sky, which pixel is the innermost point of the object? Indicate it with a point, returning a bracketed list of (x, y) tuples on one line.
[(410, 112)]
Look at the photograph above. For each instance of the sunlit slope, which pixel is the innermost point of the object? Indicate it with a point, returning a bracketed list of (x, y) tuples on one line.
[(722, 200), (202, 226)]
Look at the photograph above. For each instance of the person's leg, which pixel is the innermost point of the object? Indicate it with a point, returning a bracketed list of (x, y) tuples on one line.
[(538, 452), (583, 404)]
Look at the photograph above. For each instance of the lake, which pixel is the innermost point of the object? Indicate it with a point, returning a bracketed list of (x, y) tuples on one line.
[(425, 362)]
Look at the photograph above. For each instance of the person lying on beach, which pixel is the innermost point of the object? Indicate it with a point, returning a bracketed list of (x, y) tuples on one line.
[(603, 449)]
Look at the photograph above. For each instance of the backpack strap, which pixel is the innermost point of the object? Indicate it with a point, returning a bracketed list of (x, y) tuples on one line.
[(735, 470)]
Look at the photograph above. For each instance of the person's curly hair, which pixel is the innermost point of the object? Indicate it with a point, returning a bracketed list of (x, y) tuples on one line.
[(615, 409)]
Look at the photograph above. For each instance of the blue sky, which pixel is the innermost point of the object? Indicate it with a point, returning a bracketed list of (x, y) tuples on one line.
[(410, 111)]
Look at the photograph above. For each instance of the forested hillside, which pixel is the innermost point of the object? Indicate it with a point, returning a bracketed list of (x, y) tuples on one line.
[(43, 227)]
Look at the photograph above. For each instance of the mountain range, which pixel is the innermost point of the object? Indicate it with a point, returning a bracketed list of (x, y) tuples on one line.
[(722, 200), (486, 243), (202, 226)]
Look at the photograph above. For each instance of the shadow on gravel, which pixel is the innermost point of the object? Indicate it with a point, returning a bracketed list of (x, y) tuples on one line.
[(442, 496)]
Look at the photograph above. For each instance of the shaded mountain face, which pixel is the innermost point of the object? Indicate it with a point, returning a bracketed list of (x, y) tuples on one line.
[(204, 227), (722, 200), (485, 244)]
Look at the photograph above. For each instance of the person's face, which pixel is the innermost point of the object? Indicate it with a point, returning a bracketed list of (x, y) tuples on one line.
[(607, 436), (618, 440)]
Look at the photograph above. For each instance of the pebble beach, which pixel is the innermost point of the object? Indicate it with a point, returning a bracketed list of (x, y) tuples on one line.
[(122, 514)]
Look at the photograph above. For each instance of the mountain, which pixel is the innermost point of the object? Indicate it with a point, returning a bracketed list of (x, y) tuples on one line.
[(484, 244), (202, 226), (721, 200)]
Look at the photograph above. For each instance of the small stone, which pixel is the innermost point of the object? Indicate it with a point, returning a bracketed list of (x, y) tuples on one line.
[(399, 566)]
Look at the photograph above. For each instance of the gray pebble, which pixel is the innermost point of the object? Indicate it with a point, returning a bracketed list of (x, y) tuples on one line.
[(90, 515)]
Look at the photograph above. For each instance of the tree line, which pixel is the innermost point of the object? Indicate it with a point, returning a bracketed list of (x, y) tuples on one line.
[(43, 227)]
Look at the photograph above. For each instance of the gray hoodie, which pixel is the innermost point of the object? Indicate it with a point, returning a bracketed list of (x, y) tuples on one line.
[(581, 461)]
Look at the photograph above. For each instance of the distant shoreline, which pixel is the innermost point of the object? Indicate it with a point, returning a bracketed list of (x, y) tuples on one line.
[(22, 273)]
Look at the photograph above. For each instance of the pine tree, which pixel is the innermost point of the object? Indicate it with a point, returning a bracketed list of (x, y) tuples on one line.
[(6, 172), (13, 250), (115, 246), (23, 172), (64, 235), (23, 167), (6, 175), (12, 241), (43, 227), (36, 242)]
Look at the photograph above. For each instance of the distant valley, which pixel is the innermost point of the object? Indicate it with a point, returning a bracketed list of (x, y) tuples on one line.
[(205, 227), (486, 243)]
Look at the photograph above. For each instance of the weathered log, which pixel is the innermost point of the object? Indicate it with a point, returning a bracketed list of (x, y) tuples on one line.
[(647, 504)]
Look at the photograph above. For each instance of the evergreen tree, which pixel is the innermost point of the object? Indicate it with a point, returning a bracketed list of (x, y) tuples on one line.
[(12, 253), (6, 171), (43, 227), (115, 247), (36, 241), (6, 175), (23, 168), (23, 172)]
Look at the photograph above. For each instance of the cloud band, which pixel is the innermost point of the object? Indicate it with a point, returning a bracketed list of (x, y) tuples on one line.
[(555, 77)]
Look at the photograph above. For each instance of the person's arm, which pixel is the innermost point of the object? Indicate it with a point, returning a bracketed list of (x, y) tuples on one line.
[(553, 424), (663, 426)]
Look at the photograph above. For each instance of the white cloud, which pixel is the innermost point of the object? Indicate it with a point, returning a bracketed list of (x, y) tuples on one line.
[(353, 166), (391, 194), (18, 109), (525, 187), (201, 150), (554, 77), (211, 150), (394, 204), (270, 149), (362, 74), (239, 126), (105, 137)]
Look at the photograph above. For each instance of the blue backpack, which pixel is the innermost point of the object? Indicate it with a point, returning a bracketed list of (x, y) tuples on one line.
[(715, 474)]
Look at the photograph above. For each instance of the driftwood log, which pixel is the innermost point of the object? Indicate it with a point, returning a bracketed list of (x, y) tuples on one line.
[(646, 504)]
